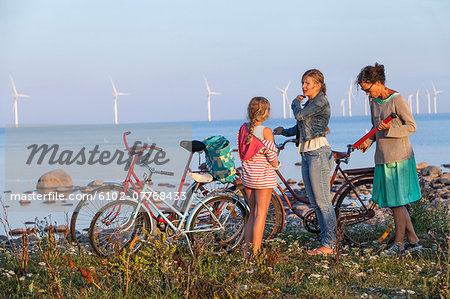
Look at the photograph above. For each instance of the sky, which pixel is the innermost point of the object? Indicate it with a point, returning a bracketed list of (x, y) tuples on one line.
[(62, 53)]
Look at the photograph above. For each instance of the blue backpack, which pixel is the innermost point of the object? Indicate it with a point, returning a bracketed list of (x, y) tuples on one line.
[(219, 159)]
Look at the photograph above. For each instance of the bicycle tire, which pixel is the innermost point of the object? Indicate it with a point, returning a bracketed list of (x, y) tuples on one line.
[(113, 228), (359, 227), (86, 209), (275, 219), (232, 215)]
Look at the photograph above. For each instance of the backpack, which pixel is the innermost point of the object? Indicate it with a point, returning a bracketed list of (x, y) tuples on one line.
[(219, 159)]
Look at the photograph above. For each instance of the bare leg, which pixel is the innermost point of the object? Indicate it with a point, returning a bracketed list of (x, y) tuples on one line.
[(250, 221), (261, 207), (403, 225)]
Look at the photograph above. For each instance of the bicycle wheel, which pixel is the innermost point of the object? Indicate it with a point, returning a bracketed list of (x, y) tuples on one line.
[(219, 224), (275, 216), (363, 222), (116, 225), (86, 209)]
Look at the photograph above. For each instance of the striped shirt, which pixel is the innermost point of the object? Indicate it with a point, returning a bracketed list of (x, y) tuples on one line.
[(258, 173)]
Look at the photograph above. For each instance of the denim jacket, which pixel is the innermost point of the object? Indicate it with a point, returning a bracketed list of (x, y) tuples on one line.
[(312, 119)]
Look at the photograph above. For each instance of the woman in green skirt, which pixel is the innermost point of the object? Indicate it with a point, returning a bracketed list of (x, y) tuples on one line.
[(396, 183)]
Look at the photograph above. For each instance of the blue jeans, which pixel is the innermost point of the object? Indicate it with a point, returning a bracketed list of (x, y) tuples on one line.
[(316, 167)]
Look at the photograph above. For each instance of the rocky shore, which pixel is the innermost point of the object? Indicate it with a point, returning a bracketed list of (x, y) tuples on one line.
[(434, 181)]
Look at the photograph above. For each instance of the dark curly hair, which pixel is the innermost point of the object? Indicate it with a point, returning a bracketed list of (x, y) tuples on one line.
[(371, 74)]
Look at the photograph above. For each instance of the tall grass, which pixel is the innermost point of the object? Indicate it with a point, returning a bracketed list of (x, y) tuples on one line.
[(51, 267)]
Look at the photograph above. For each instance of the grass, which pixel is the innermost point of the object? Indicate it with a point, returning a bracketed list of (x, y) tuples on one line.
[(54, 268)]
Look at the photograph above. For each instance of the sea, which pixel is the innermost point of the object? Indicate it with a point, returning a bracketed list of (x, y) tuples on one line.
[(75, 144)]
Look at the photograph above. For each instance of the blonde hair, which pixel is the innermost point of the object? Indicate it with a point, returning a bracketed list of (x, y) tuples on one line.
[(317, 76), (258, 110)]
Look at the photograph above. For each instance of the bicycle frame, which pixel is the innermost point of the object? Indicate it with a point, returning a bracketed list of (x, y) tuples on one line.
[(357, 173), (145, 201)]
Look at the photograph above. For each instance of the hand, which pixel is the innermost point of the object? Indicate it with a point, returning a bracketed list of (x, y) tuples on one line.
[(277, 130), (383, 126), (300, 97), (363, 146)]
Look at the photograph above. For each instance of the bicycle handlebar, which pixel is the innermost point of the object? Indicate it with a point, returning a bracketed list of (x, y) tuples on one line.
[(152, 170), (134, 149)]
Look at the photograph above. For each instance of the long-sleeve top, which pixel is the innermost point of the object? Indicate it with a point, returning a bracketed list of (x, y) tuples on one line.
[(392, 145)]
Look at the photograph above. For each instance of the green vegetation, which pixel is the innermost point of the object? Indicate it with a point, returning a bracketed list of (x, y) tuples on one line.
[(54, 268)]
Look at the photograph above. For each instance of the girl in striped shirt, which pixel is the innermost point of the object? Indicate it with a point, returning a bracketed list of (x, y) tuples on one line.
[(257, 152)]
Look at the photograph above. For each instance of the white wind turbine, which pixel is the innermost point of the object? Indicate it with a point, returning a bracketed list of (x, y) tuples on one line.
[(343, 106), (366, 99), (350, 95), (429, 102), (209, 93), (417, 101), (16, 95), (410, 101), (284, 93), (435, 93), (116, 94)]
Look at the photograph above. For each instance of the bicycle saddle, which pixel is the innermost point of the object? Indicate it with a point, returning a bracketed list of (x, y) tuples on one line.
[(193, 146)]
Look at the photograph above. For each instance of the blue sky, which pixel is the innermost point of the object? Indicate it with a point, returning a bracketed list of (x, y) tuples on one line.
[(62, 52)]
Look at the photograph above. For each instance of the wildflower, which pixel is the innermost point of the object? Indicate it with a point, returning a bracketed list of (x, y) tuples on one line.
[(325, 266), (22, 278), (30, 274), (42, 264), (11, 272), (7, 274), (315, 276)]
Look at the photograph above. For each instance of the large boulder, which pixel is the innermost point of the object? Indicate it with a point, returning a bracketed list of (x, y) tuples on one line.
[(54, 180), (432, 171)]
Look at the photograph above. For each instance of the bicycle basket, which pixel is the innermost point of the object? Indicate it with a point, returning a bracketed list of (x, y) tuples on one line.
[(219, 159)]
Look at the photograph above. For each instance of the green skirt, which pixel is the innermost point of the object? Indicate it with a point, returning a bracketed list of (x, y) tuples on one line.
[(396, 184)]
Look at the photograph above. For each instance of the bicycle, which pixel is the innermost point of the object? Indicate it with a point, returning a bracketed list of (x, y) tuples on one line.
[(360, 219), (207, 219)]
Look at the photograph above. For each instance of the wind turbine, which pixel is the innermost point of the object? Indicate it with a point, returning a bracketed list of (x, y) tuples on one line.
[(417, 101), (350, 95), (284, 93), (435, 93), (429, 102), (209, 93), (343, 106), (116, 94), (410, 101), (16, 95), (365, 105)]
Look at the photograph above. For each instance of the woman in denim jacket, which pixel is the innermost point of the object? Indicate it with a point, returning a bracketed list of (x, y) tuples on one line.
[(311, 128)]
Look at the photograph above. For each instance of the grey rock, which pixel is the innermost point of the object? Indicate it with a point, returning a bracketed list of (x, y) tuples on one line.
[(96, 183), (291, 181), (432, 171), (18, 232)]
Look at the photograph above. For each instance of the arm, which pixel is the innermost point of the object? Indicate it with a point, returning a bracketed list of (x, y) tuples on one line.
[(407, 124), (270, 154), (290, 131), (315, 107), (368, 143)]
